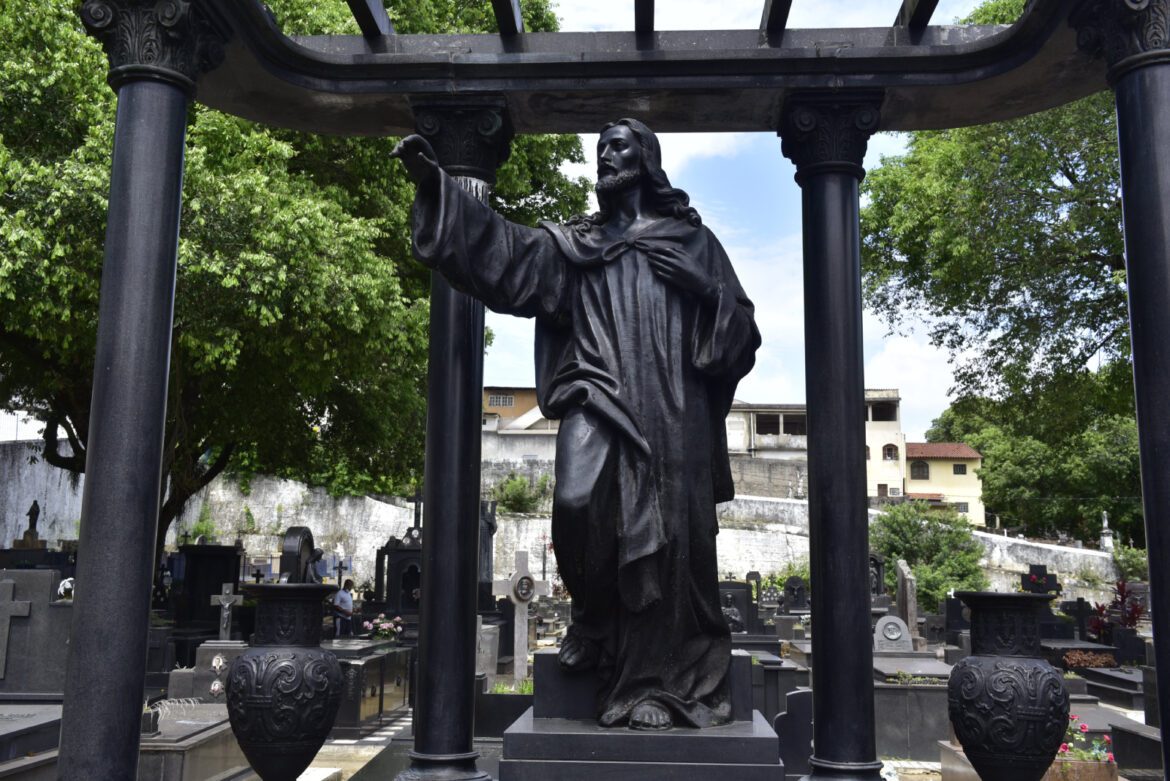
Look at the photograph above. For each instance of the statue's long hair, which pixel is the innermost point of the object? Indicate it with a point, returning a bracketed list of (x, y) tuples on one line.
[(668, 201)]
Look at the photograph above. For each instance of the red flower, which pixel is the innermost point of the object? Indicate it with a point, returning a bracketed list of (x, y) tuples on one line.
[(1084, 727), (1072, 717), (1108, 740), (1063, 748), (1109, 757)]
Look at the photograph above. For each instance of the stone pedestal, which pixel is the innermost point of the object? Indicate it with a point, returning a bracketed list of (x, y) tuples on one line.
[(559, 737), (579, 750)]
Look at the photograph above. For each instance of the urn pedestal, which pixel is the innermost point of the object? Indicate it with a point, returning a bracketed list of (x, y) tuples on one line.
[(1008, 706), (284, 691)]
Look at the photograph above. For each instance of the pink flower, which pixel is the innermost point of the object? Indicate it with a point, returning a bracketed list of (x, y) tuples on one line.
[(1063, 748), (1084, 727), (1072, 717), (1109, 757), (1108, 740)]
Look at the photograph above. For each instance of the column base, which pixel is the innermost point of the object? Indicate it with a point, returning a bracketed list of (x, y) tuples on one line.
[(443, 767), (826, 770)]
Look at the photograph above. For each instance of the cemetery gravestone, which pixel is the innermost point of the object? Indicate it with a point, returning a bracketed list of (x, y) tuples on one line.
[(908, 601), (520, 590), (487, 533), (226, 600), (9, 609), (892, 635), (34, 634), (957, 618), (736, 603), (795, 595), (1039, 580)]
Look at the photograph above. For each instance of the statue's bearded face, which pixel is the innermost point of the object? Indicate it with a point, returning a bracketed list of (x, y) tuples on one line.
[(619, 159)]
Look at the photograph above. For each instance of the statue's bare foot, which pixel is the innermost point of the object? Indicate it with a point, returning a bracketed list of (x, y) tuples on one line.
[(578, 653), (649, 714)]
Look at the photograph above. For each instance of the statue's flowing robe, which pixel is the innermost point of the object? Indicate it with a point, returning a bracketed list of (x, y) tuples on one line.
[(641, 374)]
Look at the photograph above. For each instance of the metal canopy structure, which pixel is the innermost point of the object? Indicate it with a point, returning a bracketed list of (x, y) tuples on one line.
[(711, 80), (825, 92)]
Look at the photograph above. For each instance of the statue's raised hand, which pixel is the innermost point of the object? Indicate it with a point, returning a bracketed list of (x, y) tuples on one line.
[(418, 156)]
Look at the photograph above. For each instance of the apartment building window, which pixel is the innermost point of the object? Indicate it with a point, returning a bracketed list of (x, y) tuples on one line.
[(767, 424), (919, 470), (502, 400), (890, 453), (961, 469), (795, 425)]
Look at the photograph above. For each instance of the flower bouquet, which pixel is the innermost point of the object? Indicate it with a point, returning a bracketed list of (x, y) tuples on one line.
[(1080, 760), (382, 627)]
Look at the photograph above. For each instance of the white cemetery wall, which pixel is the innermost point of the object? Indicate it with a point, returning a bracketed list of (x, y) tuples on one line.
[(1081, 573), (779, 477), (359, 525), (518, 447), (56, 491), (533, 455)]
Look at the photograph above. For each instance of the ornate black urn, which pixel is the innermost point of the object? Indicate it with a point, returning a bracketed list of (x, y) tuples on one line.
[(284, 691), (1008, 706)]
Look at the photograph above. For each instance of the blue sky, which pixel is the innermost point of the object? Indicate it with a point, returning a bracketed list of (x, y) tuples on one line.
[(743, 187)]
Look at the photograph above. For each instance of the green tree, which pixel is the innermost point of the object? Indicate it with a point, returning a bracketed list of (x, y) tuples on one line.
[(300, 322), (1047, 471), (519, 494), (938, 545), (1007, 239)]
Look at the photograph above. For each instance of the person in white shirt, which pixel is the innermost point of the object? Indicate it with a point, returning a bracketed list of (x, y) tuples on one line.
[(343, 611)]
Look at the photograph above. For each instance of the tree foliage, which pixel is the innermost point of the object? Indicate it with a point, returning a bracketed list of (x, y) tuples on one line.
[(1006, 238), (300, 332), (938, 545), (1054, 462)]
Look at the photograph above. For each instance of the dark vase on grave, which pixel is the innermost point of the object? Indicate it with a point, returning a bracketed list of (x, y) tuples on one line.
[(284, 691), (1009, 706)]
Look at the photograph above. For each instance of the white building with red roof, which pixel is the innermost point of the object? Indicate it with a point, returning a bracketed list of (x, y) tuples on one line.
[(946, 473)]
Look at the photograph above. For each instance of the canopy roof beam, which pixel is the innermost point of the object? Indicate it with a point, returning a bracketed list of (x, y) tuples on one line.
[(915, 14), (508, 17), (643, 17), (775, 17), (371, 17)]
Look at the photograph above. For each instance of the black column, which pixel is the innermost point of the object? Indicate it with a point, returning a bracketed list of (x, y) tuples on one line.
[(1132, 37), (470, 141), (826, 136), (155, 53)]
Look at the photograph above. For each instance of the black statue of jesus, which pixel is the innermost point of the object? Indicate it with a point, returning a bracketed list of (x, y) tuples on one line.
[(642, 333)]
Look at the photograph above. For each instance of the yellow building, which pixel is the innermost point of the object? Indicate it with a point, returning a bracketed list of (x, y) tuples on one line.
[(945, 473)]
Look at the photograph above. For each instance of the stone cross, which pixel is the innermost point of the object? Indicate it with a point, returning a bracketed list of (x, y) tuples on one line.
[(520, 589), (9, 609), (226, 601), (1039, 580)]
